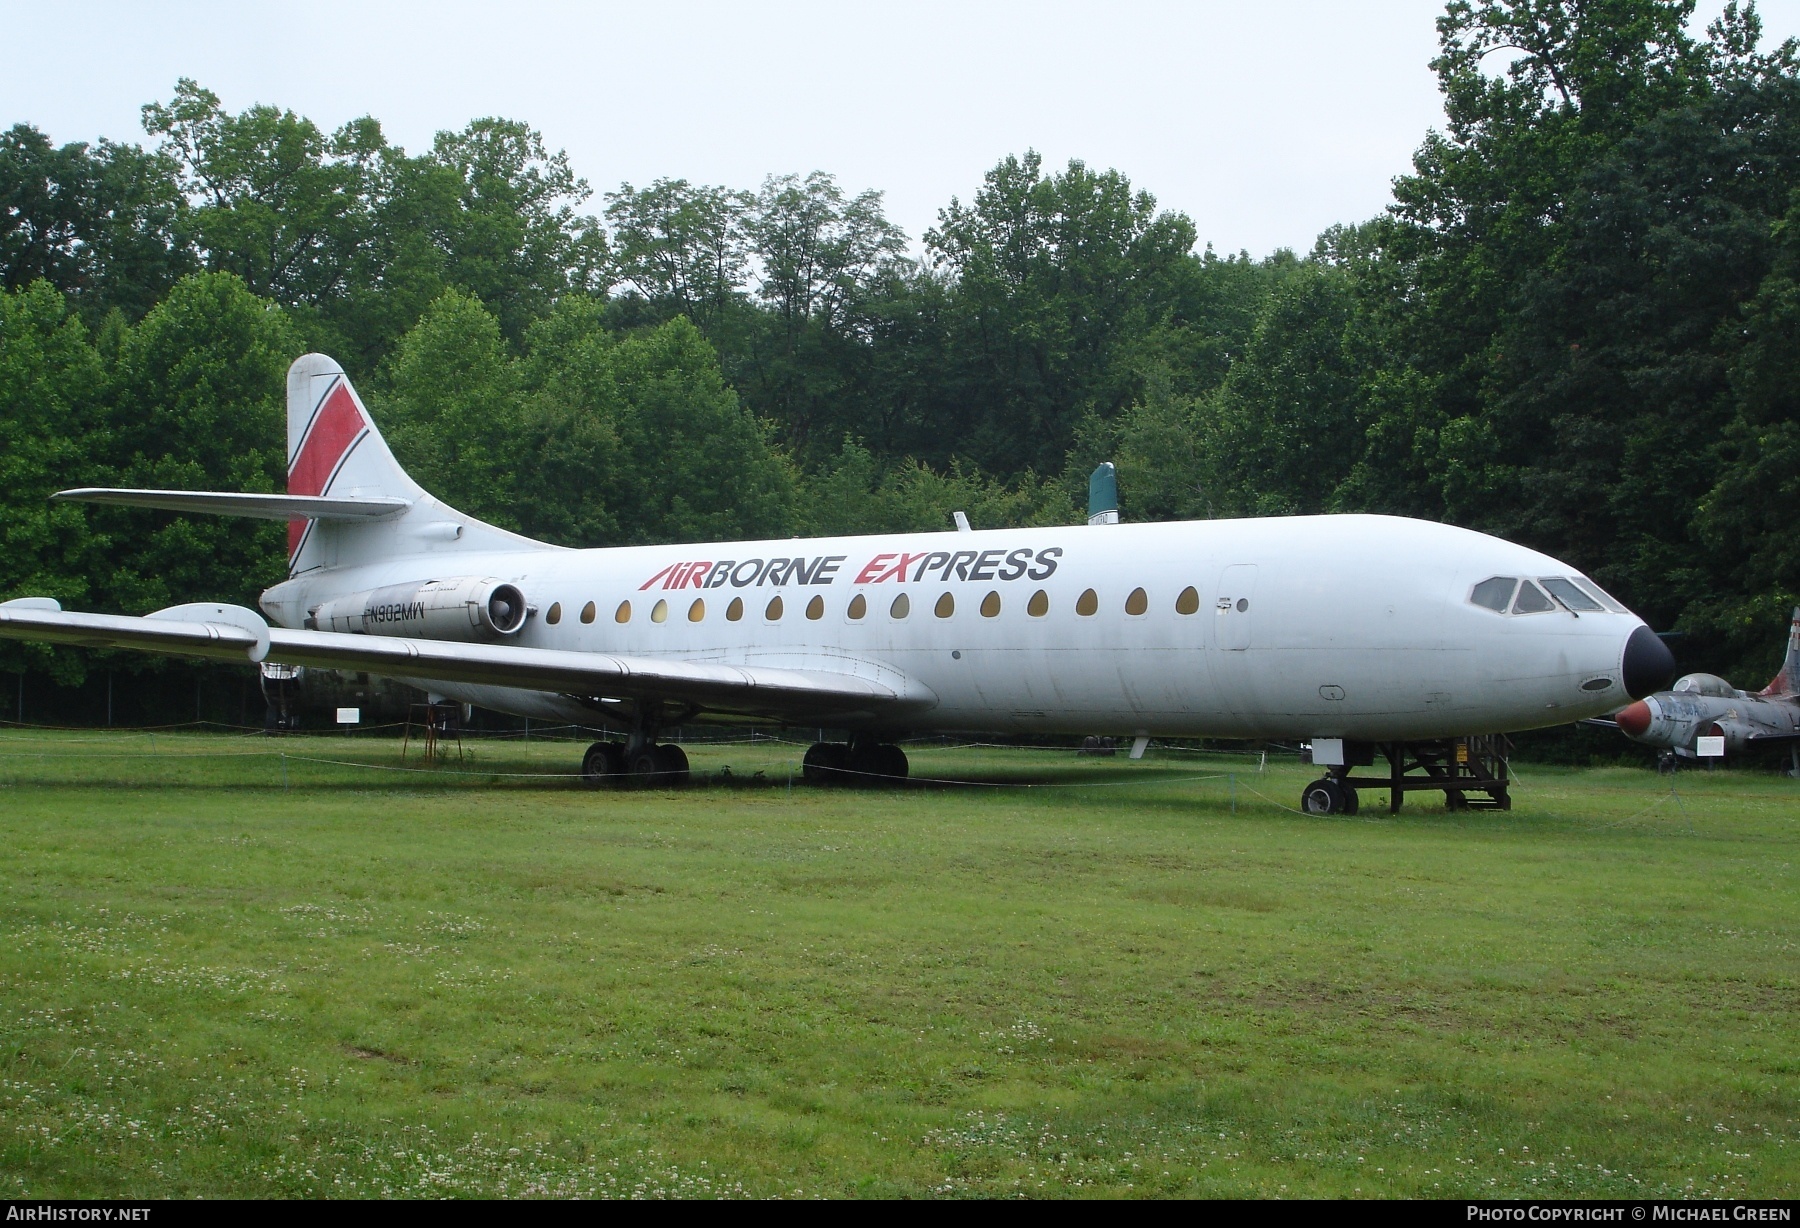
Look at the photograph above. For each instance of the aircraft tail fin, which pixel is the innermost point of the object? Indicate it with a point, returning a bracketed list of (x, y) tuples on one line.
[(348, 500), (336, 453), (1787, 682)]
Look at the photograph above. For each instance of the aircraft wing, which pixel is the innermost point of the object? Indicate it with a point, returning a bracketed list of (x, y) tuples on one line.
[(1771, 739), (233, 633)]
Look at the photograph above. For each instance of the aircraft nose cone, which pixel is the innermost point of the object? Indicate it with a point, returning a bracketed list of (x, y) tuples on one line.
[(1634, 718), (1649, 665)]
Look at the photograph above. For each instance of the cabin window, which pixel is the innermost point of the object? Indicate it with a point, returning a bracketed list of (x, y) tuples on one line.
[(1138, 602), (735, 610), (946, 606), (990, 606), (1570, 595), (697, 611), (1188, 602), (587, 612), (554, 614), (773, 613), (1088, 604), (659, 613), (1531, 600), (815, 609), (901, 608), (1039, 605), (1494, 593), (859, 605)]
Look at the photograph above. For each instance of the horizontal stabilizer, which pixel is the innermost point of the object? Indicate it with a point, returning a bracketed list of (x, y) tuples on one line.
[(229, 503)]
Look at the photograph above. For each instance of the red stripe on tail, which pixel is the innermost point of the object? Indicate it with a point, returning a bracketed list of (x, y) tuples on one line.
[(335, 428)]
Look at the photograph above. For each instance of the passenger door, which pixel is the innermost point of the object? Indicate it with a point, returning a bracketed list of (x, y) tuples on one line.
[(1235, 607)]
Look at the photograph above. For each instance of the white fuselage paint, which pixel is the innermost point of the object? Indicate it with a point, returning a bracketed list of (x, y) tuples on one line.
[(1350, 626)]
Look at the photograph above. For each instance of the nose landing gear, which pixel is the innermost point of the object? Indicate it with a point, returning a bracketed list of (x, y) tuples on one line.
[(1328, 795), (1472, 774)]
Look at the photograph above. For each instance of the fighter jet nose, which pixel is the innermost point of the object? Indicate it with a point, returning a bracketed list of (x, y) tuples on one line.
[(1649, 665), (1634, 718)]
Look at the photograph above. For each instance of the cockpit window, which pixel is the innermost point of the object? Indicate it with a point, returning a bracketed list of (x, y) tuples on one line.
[(1531, 600), (1570, 595), (1601, 595), (1494, 592)]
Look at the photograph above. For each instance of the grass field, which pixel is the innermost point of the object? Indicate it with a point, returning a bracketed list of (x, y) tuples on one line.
[(226, 972)]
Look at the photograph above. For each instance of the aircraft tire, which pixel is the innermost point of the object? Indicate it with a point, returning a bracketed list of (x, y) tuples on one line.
[(604, 763), (825, 763), (674, 764), (1325, 796), (892, 761)]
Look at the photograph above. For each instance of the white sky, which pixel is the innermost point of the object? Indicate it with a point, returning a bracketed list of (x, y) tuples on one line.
[(1265, 123)]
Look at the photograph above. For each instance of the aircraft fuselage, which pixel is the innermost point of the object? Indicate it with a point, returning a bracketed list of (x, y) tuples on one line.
[(1359, 627)]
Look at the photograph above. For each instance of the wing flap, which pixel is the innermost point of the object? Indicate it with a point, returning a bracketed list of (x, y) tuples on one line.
[(230, 503)]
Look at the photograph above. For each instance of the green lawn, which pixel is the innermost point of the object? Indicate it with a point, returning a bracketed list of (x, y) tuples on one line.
[(1131, 978)]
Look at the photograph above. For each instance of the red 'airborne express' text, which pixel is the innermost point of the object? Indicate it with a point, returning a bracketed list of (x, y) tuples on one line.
[(941, 565)]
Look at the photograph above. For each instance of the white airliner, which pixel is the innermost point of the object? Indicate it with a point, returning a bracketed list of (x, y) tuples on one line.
[(1344, 630)]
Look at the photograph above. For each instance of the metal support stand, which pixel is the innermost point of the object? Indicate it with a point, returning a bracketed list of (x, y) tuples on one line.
[(437, 726), (1470, 772)]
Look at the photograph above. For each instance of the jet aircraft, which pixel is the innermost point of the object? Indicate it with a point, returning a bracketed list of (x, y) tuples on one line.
[(1352, 631), (1703, 705)]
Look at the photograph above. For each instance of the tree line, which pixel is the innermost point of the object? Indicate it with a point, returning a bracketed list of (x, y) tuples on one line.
[(1575, 326)]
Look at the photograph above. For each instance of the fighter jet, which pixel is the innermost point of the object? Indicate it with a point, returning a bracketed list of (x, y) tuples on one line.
[(1705, 705)]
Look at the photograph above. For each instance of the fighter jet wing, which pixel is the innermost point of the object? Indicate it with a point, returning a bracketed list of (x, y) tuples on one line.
[(1771, 739), (228, 633)]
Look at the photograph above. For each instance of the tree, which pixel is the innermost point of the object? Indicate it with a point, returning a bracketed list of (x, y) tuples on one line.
[(274, 200), (682, 248), (854, 493), (698, 466), (51, 436), (516, 241), (1054, 277), (451, 411), (199, 404), (98, 224)]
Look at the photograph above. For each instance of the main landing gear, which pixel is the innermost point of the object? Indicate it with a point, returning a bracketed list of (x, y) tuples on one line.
[(857, 762), (651, 765)]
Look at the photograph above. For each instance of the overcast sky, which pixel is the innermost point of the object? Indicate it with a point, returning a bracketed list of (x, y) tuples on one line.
[(1264, 122)]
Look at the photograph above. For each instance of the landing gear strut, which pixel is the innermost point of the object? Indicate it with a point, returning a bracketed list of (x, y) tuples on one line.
[(857, 762)]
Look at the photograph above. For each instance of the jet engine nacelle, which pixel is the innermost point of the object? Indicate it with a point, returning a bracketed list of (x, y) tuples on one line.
[(464, 608)]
